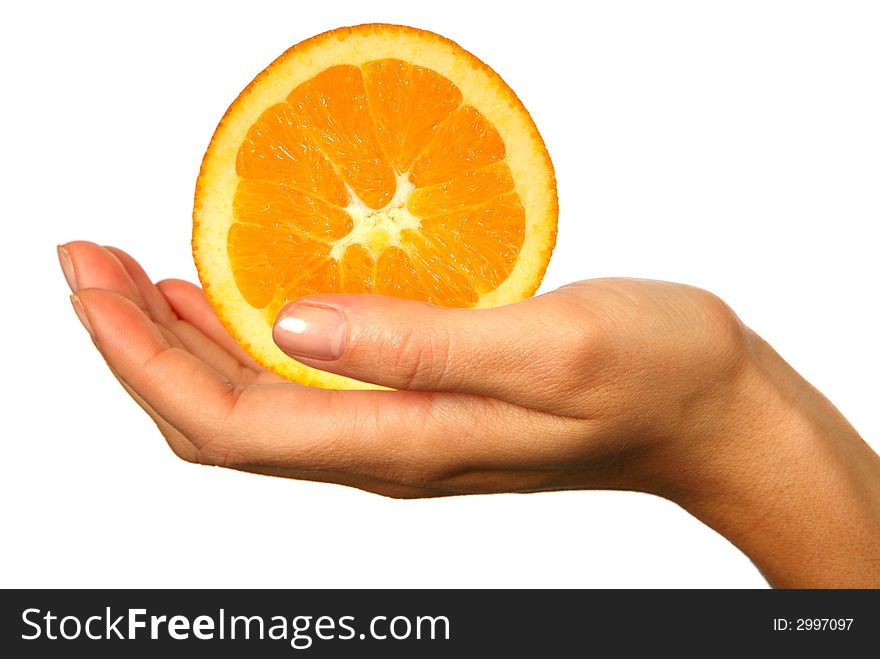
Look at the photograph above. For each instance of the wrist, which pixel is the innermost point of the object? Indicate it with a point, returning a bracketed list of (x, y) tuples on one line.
[(785, 477)]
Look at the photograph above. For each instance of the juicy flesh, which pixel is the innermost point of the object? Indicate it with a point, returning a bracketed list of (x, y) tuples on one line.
[(373, 179)]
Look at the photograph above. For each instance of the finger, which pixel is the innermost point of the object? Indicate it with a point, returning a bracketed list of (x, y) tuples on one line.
[(187, 392), (190, 304), (155, 302), (505, 352), (87, 265), (114, 270), (191, 339), (160, 311)]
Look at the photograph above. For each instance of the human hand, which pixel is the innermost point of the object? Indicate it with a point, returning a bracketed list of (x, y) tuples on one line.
[(616, 383)]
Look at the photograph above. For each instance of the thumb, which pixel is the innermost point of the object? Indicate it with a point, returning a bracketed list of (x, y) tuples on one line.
[(507, 352)]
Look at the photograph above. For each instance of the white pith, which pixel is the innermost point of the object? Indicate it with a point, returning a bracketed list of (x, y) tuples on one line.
[(378, 229)]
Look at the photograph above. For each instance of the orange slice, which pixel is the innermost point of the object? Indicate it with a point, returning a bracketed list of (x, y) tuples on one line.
[(375, 159)]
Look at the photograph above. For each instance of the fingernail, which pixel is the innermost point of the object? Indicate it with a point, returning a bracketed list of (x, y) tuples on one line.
[(67, 268), (310, 330), (81, 314)]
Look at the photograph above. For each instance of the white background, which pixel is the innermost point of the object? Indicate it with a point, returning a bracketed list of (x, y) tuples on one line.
[(734, 146)]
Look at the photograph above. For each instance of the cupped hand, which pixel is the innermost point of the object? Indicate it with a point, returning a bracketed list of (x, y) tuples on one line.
[(572, 389), (616, 383)]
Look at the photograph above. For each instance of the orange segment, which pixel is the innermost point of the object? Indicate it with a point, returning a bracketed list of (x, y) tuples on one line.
[(408, 103), (469, 189), (313, 274), (370, 160), (262, 261), (464, 142), (396, 275), (277, 149), (333, 107), (274, 204), (482, 242), (357, 269), (444, 284)]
